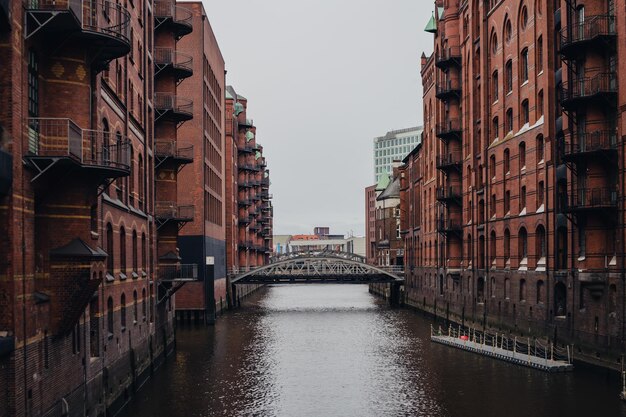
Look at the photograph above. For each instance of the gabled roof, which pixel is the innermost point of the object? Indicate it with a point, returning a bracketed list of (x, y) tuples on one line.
[(77, 248)]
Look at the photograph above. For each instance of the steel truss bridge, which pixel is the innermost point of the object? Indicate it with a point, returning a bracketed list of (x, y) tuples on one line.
[(319, 268)]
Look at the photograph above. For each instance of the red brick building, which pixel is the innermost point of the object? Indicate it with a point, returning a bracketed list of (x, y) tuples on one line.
[(249, 209), (89, 214), (512, 212), (370, 224), (205, 179)]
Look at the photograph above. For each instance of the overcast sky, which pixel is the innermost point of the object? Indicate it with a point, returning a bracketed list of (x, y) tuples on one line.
[(322, 79)]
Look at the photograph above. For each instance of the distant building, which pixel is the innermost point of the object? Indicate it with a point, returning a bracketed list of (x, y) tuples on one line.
[(284, 244), (394, 146), (370, 223)]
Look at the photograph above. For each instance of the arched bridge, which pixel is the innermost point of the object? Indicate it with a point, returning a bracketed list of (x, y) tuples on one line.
[(319, 268)]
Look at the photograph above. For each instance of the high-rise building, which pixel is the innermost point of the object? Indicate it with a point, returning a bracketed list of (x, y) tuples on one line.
[(512, 209), (394, 146), (202, 241)]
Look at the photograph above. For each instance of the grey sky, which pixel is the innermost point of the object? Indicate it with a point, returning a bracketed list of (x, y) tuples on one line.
[(323, 78)]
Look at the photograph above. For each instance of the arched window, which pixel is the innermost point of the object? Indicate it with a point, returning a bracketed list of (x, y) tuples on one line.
[(523, 62), (509, 120), (540, 292), (508, 76), (123, 311), (539, 148), (507, 245), (508, 31), (507, 161), (131, 178), (540, 243), (110, 323), (539, 59), (140, 179), (495, 127), (522, 155), (525, 113), (135, 307), (560, 300), (507, 288), (123, 252), (135, 255), (492, 287), (109, 249), (143, 251), (492, 249), (144, 305), (492, 166), (522, 289), (494, 86), (523, 244)]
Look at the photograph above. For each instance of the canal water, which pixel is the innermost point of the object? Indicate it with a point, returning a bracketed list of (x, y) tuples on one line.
[(336, 350)]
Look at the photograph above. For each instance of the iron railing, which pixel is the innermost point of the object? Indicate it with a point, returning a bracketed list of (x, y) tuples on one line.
[(447, 127), (171, 149), (593, 27), (170, 210), (448, 87), (449, 160), (168, 10), (578, 88), (170, 56), (596, 141), (448, 55), (170, 102), (63, 138), (180, 272), (105, 17), (590, 198), (449, 225), (448, 193)]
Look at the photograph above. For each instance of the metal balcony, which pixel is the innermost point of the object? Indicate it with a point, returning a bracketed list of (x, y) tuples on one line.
[(450, 129), (448, 90), (177, 18), (178, 273), (243, 220), (449, 57), (244, 184), (449, 227), (449, 162), (246, 123), (599, 90), (582, 146), (449, 195), (56, 146), (172, 61), (173, 107), (103, 25), (172, 153), (245, 149), (6, 172), (170, 211), (592, 199), (248, 167), (243, 202), (596, 32), (254, 227)]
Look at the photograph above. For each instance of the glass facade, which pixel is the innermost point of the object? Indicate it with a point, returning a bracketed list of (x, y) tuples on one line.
[(394, 146)]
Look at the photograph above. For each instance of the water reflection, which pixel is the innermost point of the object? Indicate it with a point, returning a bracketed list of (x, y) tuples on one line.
[(337, 351)]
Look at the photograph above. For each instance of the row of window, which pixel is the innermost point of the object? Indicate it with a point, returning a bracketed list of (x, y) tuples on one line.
[(137, 263), (409, 140)]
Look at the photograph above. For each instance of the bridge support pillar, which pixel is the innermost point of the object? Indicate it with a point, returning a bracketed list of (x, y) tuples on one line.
[(394, 294)]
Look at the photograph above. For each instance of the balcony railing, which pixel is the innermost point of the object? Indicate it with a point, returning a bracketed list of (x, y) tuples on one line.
[(93, 19), (179, 18), (445, 194), (448, 89), (598, 141), (593, 198), (178, 61), (172, 150), (449, 129), (245, 220), (594, 31), (181, 272), (581, 90), (170, 210), (50, 138), (448, 57), (449, 226), (246, 123), (449, 161), (179, 108), (249, 167)]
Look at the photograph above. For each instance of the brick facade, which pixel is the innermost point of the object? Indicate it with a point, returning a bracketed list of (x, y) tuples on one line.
[(512, 212)]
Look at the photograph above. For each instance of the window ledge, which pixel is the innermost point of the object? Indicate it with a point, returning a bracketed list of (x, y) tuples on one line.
[(122, 276), (109, 277)]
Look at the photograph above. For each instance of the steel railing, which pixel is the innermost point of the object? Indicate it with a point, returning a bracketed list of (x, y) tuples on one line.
[(180, 272), (591, 28), (444, 161), (170, 56), (106, 17), (63, 138), (171, 102), (445, 193), (599, 140), (171, 149), (602, 83), (449, 225), (588, 198), (448, 86), (168, 10), (170, 210), (452, 53), (448, 126)]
